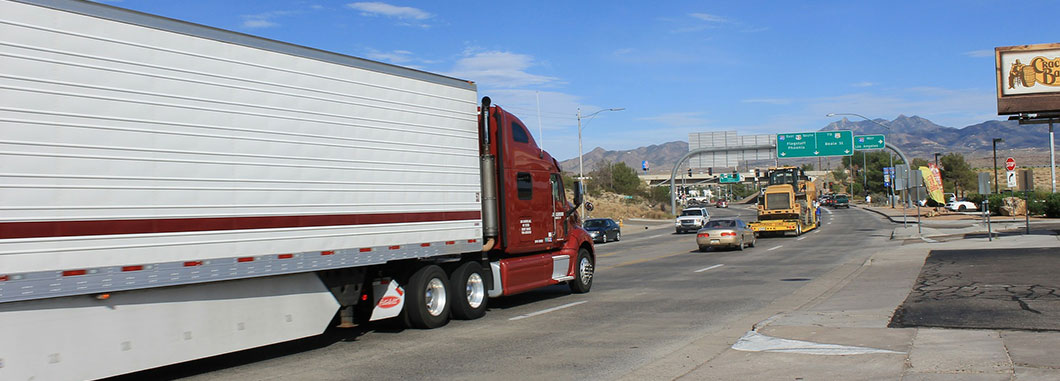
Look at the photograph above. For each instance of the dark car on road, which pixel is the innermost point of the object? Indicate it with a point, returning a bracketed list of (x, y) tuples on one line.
[(603, 229), (841, 201)]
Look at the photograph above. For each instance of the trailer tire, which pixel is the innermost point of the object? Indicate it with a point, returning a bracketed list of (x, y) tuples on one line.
[(469, 292), (427, 302), (583, 273), (741, 244)]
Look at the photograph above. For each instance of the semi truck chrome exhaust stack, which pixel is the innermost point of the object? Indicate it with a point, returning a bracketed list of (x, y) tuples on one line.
[(488, 166)]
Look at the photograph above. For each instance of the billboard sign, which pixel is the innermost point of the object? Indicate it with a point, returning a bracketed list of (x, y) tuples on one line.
[(1028, 78)]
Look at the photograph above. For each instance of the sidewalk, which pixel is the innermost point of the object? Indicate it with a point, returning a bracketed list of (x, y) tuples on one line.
[(836, 327)]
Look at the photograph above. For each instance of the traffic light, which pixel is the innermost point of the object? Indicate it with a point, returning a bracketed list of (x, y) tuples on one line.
[(690, 172), (710, 171), (758, 172)]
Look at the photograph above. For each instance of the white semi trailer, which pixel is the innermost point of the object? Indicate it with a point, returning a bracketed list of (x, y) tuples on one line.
[(170, 191)]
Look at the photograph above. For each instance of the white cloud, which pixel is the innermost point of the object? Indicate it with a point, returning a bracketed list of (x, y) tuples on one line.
[(771, 101), (499, 69), (678, 119), (709, 17), (980, 53), (375, 8), (263, 20), (863, 84)]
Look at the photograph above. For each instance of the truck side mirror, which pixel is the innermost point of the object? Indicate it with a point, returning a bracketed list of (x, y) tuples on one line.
[(578, 196)]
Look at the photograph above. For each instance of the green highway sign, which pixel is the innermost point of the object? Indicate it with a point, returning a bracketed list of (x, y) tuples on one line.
[(728, 178), (815, 144), (869, 142)]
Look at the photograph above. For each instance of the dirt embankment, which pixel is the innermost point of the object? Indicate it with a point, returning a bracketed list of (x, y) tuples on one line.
[(617, 207)]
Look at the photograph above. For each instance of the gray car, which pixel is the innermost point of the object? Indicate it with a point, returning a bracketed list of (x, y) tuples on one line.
[(729, 233)]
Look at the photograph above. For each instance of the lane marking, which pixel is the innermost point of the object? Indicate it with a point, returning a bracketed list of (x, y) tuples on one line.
[(642, 260), (827, 210), (817, 232), (800, 238), (545, 311), (629, 241), (774, 247), (709, 268)]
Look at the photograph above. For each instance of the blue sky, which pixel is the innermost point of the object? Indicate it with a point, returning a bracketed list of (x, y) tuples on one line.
[(675, 66)]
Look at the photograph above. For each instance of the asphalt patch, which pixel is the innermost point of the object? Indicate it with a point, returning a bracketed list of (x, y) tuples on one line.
[(985, 289)]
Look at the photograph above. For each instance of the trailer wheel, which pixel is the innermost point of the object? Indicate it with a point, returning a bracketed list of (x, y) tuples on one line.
[(741, 245), (583, 273), (427, 304), (469, 291)]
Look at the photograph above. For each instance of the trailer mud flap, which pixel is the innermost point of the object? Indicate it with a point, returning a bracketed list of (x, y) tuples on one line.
[(389, 300)]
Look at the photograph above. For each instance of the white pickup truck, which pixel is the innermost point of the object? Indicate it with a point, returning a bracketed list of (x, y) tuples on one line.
[(691, 219)]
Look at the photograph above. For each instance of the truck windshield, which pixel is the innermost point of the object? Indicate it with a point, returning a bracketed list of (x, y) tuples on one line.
[(692, 212), (781, 177)]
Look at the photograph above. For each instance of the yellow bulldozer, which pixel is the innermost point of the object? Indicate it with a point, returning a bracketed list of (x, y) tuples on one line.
[(788, 205)]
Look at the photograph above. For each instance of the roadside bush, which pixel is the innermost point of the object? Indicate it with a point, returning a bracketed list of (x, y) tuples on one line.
[(1051, 207)]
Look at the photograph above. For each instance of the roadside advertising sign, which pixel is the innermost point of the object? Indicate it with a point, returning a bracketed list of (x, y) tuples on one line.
[(933, 182), (1028, 78)]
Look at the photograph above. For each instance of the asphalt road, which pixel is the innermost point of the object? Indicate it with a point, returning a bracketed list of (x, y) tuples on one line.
[(653, 293)]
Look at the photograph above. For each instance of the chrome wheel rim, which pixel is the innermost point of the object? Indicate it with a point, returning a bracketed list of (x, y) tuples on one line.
[(585, 270), (476, 291), (434, 296)]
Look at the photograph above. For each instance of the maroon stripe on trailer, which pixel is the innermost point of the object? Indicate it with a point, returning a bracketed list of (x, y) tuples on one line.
[(245, 259), (74, 272), (43, 229), (285, 256), (132, 268)]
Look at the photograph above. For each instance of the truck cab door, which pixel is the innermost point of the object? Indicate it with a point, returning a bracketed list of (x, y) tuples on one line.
[(558, 232)]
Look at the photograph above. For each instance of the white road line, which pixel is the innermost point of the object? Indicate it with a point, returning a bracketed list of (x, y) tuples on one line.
[(800, 238), (829, 211), (818, 231), (545, 311), (709, 268), (829, 223), (774, 248)]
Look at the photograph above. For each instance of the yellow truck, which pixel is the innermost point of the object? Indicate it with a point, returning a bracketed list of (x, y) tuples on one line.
[(788, 204)]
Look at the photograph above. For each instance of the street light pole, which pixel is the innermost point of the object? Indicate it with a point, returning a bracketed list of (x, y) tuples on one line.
[(581, 168), (996, 186)]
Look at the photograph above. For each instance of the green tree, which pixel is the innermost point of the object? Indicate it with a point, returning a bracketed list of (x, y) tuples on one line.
[(660, 194), (624, 180), (807, 167), (918, 162), (956, 171), (615, 178)]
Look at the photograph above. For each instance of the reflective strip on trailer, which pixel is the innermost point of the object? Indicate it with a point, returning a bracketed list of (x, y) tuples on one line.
[(55, 283)]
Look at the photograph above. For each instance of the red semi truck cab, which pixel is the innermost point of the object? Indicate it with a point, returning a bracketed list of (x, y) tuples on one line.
[(538, 239)]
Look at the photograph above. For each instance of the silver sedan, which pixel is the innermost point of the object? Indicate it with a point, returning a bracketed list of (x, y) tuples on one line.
[(731, 233)]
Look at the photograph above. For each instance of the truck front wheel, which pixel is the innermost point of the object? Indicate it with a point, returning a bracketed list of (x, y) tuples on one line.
[(469, 291), (427, 304), (583, 273)]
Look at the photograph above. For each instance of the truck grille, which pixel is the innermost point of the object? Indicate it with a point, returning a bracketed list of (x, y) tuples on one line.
[(776, 201)]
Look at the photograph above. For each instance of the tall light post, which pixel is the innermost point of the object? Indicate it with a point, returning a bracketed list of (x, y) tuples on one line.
[(581, 168), (996, 140)]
